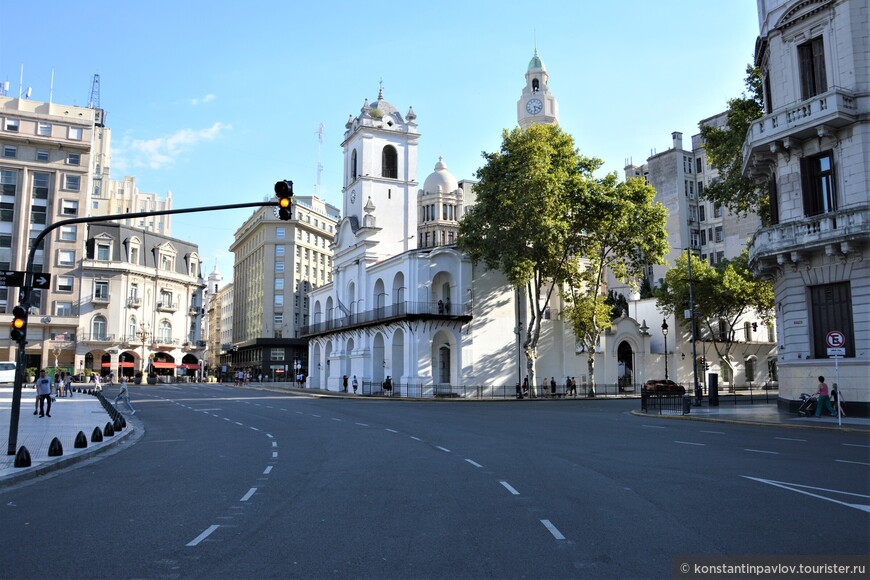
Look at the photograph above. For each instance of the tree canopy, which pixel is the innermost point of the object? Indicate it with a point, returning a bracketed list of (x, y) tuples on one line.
[(724, 147), (724, 292), (548, 224)]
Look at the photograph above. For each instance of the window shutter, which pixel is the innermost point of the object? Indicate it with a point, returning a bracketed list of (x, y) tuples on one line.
[(807, 188)]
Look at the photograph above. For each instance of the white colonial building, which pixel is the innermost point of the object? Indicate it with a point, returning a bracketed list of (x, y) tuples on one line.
[(811, 148)]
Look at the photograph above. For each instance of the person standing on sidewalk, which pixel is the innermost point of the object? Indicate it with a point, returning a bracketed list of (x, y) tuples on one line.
[(824, 399), (355, 384), (43, 390), (125, 396)]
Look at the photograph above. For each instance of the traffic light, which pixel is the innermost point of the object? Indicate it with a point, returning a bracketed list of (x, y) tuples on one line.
[(19, 324), (284, 191)]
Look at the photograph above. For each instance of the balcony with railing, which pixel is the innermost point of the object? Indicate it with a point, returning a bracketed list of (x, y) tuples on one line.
[(835, 232), (96, 337), (166, 307), (100, 298), (392, 313), (806, 119), (134, 302)]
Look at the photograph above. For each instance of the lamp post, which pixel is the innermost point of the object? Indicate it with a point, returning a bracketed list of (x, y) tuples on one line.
[(665, 334)]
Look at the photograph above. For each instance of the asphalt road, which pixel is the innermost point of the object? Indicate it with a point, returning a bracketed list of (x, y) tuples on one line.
[(228, 483)]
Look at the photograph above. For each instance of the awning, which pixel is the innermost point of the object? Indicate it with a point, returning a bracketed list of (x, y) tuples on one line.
[(159, 364), (106, 365), (126, 365), (191, 366)]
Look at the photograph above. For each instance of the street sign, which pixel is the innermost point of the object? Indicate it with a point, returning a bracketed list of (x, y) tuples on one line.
[(835, 339), (41, 280), (837, 351), (11, 278)]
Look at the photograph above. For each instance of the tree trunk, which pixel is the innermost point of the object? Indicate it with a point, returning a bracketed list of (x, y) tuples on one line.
[(590, 365)]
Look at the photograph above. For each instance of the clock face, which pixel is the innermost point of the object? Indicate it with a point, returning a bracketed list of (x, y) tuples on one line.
[(353, 196), (534, 106)]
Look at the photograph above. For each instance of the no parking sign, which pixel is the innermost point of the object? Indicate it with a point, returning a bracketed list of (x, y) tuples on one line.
[(836, 342)]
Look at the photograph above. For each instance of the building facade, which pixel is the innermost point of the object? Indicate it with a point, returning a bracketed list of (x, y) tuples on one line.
[(276, 264), (810, 149)]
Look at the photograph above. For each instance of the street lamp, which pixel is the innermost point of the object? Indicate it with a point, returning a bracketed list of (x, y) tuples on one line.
[(665, 334)]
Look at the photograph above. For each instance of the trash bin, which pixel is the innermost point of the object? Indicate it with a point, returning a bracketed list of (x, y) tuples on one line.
[(687, 404)]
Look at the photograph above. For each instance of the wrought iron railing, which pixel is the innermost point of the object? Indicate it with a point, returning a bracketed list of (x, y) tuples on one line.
[(389, 312)]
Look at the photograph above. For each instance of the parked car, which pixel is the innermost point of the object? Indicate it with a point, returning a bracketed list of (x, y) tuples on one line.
[(664, 387)]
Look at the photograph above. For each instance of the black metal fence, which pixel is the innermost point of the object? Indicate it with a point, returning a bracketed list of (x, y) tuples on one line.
[(663, 404), (488, 392)]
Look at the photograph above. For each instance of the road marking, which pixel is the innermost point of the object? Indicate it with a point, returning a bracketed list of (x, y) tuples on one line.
[(415, 438), (313, 415), (274, 454), (227, 419), (239, 424), (652, 426), (442, 449), (274, 444), (855, 445), (474, 463), (792, 486), (556, 533), (270, 436), (690, 443), (508, 487), (392, 430), (334, 419), (854, 462), (205, 410), (253, 429), (268, 470), (714, 432), (790, 439), (299, 413), (248, 495), (203, 535), (362, 424), (762, 451)]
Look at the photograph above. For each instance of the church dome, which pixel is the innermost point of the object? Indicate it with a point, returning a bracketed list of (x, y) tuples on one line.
[(536, 62), (440, 180)]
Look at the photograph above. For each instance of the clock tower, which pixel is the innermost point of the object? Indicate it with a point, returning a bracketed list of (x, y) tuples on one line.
[(537, 104)]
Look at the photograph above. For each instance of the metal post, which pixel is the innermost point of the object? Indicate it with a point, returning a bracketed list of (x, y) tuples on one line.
[(698, 394)]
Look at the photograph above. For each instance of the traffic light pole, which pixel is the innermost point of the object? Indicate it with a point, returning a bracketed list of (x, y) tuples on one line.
[(27, 290)]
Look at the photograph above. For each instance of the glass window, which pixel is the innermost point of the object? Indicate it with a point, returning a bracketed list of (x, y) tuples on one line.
[(278, 319), (8, 181), (279, 301), (70, 207), (9, 151), (42, 155), (73, 158), (103, 252), (279, 251), (831, 309), (280, 233), (64, 283), (279, 267), (98, 328), (43, 129), (164, 331), (41, 183), (63, 309), (72, 182), (75, 133), (11, 125), (750, 369), (817, 176), (5, 241), (66, 258), (811, 62), (132, 327), (68, 233), (134, 254), (38, 214), (277, 354), (389, 162), (279, 283), (101, 290)]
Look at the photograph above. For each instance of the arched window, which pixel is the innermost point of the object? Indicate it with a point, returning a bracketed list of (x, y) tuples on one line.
[(353, 170), (750, 369), (98, 327), (535, 86), (164, 332), (132, 328), (389, 162)]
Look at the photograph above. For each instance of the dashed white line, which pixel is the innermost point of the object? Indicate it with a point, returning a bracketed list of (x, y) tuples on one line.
[(415, 438), (336, 419), (690, 443), (762, 451), (790, 439), (474, 463), (203, 535), (855, 445), (508, 487), (313, 415), (274, 444), (714, 432), (248, 495), (445, 450), (363, 424), (253, 429), (853, 462), (274, 454), (391, 430), (268, 470), (270, 436), (556, 533), (299, 413), (652, 426), (239, 424)]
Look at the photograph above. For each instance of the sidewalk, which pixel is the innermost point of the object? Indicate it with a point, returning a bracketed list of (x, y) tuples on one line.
[(69, 415)]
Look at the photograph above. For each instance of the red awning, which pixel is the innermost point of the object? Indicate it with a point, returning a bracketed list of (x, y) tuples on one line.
[(106, 365), (126, 365), (191, 366), (159, 364)]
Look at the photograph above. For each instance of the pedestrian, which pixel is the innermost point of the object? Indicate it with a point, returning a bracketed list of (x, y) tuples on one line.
[(58, 383), (573, 386), (447, 306), (97, 386), (355, 384), (125, 396), (440, 307), (544, 387), (553, 387), (344, 382), (111, 378), (837, 400), (43, 390), (67, 384), (824, 399), (388, 386), (525, 387), (567, 387)]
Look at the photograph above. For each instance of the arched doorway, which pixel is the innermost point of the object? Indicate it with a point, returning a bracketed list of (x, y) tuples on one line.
[(126, 363), (625, 362), (163, 365), (190, 367)]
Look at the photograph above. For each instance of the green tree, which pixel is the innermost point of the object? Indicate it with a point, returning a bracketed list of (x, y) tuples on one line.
[(724, 147), (549, 225), (722, 294), (623, 231)]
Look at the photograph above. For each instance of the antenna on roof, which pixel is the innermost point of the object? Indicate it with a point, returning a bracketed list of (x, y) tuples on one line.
[(319, 164)]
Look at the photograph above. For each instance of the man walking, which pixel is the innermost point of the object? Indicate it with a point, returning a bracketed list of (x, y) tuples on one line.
[(43, 390), (125, 396), (355, 384)]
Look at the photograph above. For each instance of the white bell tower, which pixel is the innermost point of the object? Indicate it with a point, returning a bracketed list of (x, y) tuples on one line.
[(537, 104)]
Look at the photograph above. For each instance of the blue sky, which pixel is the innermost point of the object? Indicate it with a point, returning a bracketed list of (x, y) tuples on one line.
[(216, 101)]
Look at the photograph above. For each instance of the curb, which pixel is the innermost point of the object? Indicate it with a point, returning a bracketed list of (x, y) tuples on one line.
[(26, 473), (752, 423)]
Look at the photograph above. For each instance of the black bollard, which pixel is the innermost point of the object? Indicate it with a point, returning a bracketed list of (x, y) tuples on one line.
[(123, 421), (116, 425), (109, 430), (81, 441), (22, 458), (97, 435), (55, 449)]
